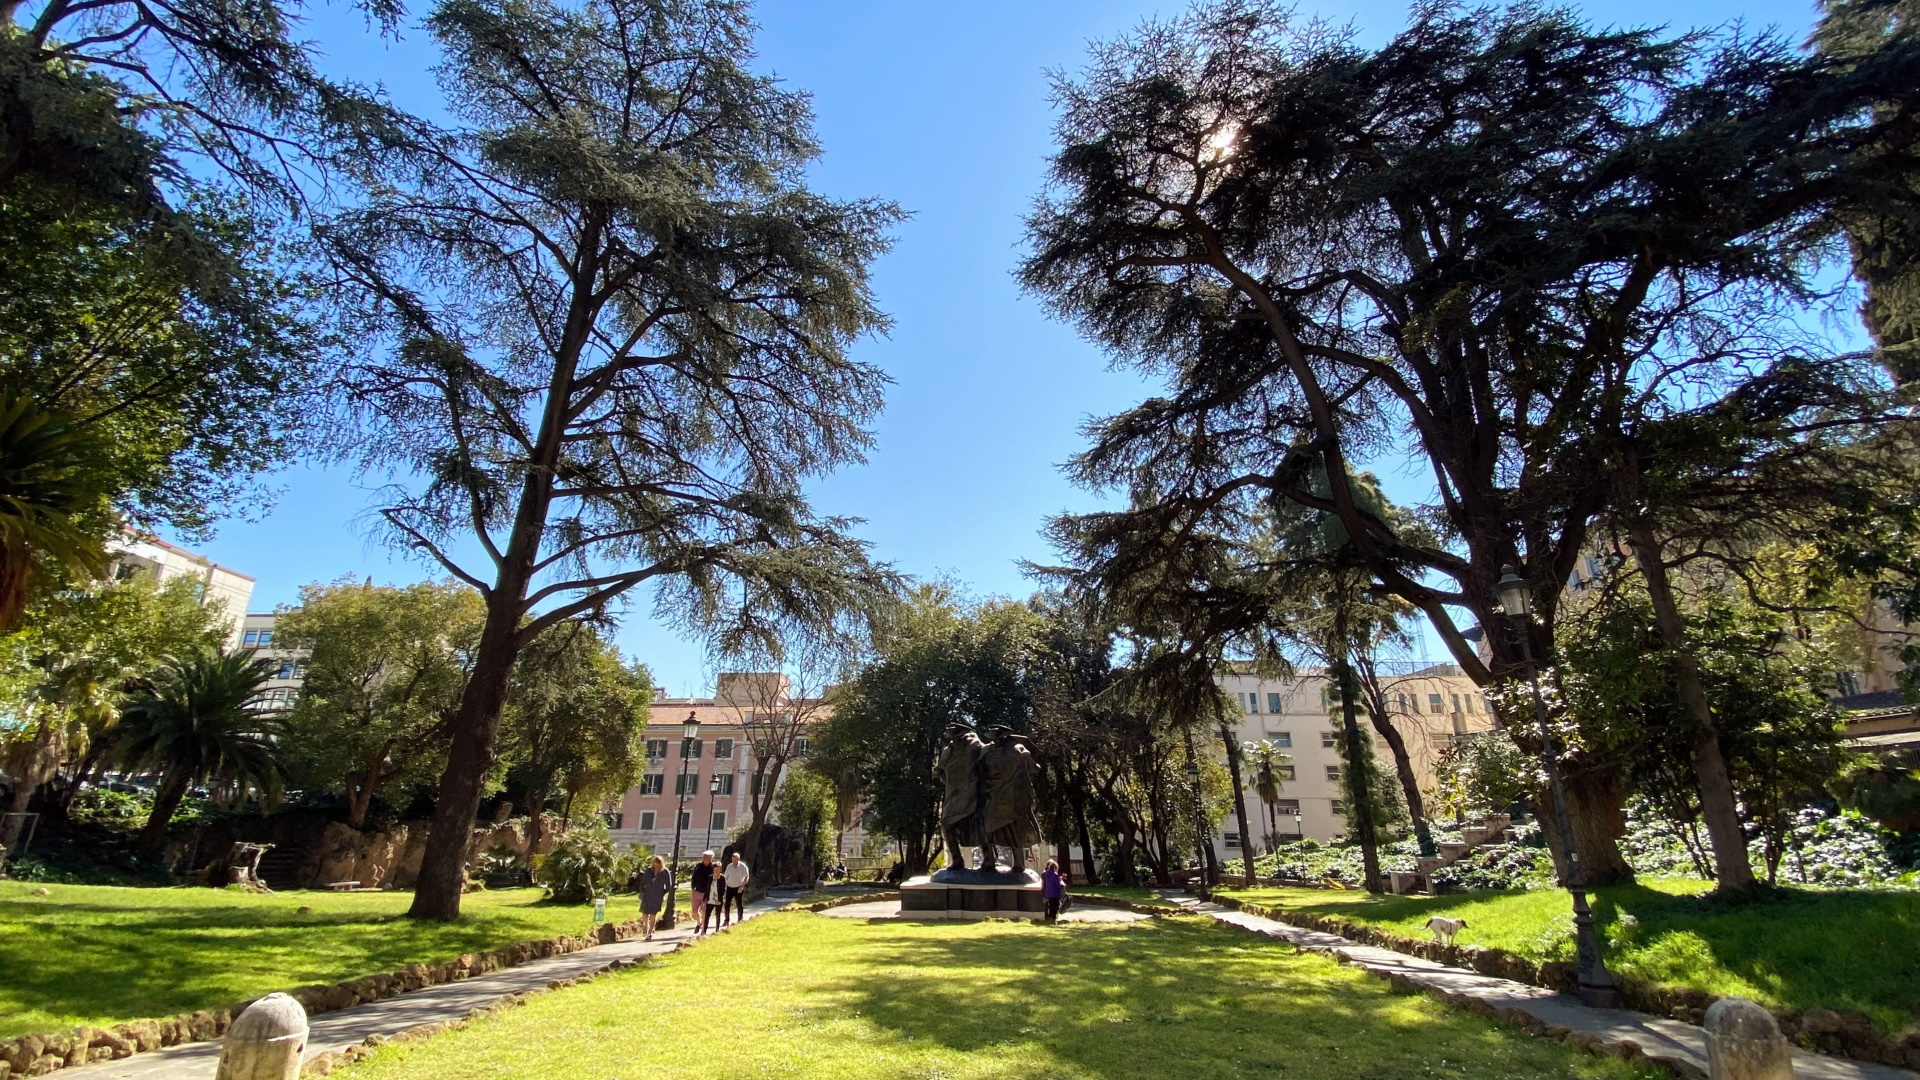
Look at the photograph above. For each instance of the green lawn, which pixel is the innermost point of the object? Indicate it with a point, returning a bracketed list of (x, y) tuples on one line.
[(1128, 893), (799, 996), (86, 954), (1796, 948)]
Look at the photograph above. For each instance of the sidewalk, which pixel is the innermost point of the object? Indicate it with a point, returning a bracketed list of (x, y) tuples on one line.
[(336, 1031), (1682, 1048)]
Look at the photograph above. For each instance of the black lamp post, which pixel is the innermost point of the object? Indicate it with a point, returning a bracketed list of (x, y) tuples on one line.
[(689, 731), (1597, 985), (1299, 830)]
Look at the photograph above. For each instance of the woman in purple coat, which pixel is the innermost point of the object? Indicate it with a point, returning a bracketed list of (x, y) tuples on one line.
[(1052, 887)]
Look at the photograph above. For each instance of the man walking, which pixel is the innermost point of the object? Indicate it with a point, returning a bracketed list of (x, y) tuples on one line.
[(736, 875), (702, 884)]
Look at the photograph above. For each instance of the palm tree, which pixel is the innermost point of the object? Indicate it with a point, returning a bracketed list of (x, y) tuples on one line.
[(49, 483), (1267, 758), (195, 721)]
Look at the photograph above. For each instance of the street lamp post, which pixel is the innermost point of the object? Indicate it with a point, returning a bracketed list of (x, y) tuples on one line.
[(1597, 985), (689, 731), (713, 792), (1299, 830)]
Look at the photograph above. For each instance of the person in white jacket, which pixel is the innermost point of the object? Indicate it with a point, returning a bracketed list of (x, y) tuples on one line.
[(736, 875)]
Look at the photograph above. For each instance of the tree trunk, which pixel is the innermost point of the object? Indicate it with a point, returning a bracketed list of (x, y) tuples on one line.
[(1403, 767), (437, 892), (1358, 794), (153, 836), (360, 792), (1086, 840), (536, 818), (1250, 878), (1594, 804), (1718, 804)]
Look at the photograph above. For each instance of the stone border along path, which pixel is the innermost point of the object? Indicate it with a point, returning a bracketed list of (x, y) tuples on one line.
[(336, 1033), (1680, 1048)]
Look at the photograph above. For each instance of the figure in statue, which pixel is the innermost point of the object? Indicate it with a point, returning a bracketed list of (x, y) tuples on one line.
[(1006, 773), (961, 810)]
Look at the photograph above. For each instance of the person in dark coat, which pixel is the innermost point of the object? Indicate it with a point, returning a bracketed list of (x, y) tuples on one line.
[(1052, 888), (703, 873), (654, 883)]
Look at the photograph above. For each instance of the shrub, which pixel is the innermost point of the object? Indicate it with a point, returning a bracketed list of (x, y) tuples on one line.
[(584, 863)]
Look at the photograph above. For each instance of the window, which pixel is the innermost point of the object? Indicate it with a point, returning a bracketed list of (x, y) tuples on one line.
[(286, 670), (250, 638), (1434, 704), (646, 821), (653, 783), (686, 784), (1285, 772), (1327, 739), (1405, 702), (1286, 807), (722, 784), (1273, 702), (615, 821), (1473, 704), (1333, 773), (723, 748), (1232, 839), (1456, 703), (1339, 808), (762, 782), (801, 745), (1253, 702), (719, 822), (686, 819), (1281, 738), (690, 748)]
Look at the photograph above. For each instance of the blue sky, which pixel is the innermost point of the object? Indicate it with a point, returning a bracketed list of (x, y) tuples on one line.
[(942, 108)]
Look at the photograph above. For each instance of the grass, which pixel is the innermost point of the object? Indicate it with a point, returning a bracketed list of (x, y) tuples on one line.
[(1792, 948), (798, 996), (1132, 894), (88, 954)]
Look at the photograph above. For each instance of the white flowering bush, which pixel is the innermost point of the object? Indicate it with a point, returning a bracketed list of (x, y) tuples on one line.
[(1843, 850)]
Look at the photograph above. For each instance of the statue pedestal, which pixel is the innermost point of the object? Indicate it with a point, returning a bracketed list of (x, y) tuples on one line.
[(973, 894)]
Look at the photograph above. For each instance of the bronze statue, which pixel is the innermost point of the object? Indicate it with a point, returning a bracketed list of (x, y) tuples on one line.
[(960, 817), (1006, 771)]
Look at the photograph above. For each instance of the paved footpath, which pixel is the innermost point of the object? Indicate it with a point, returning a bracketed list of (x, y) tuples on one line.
[(336, 1031), (1679, 1046)]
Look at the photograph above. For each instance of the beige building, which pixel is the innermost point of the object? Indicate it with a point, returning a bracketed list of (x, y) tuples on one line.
[(716, 770), (137, 553), (1431, 705)]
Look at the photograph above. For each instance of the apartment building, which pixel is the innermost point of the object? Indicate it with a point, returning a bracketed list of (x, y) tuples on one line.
[(1431, 706), (138, 553), (714, 771), (257, 634)]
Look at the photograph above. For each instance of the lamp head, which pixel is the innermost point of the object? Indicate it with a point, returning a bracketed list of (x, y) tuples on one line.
[(1516, 595), (691, 729)]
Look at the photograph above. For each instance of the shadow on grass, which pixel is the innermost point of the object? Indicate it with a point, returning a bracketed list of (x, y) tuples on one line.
[(1799, 948), (102, 963), (1158, 1000)]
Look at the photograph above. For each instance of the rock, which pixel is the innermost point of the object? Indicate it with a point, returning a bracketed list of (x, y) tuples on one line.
[(115, 1040), (45, 1064), (1818, 1021), (265, 1041), (201, 1026), (303, 910), (23, 1050), (95, 1054), (1744, 1043), (42, 891)]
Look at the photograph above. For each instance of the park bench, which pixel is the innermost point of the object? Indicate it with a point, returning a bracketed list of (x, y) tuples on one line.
[(343, 886)]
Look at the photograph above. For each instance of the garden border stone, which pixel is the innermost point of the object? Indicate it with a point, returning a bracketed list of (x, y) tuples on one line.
[(43, 1053)]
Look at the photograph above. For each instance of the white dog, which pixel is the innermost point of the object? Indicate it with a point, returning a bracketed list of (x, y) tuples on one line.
[(1444, 928)]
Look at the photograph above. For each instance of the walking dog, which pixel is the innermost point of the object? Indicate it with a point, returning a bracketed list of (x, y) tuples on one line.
[(1444, 928)]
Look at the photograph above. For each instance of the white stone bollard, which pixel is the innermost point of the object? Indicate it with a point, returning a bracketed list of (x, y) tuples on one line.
[(265, 1041), (1744, 1043)]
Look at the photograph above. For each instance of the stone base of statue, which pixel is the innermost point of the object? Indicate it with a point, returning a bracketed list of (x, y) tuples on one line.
[(955, 893)]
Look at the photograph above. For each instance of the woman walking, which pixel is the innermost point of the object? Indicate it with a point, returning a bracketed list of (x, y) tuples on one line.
[(716, 901), (654, 883), (1052, 887)]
